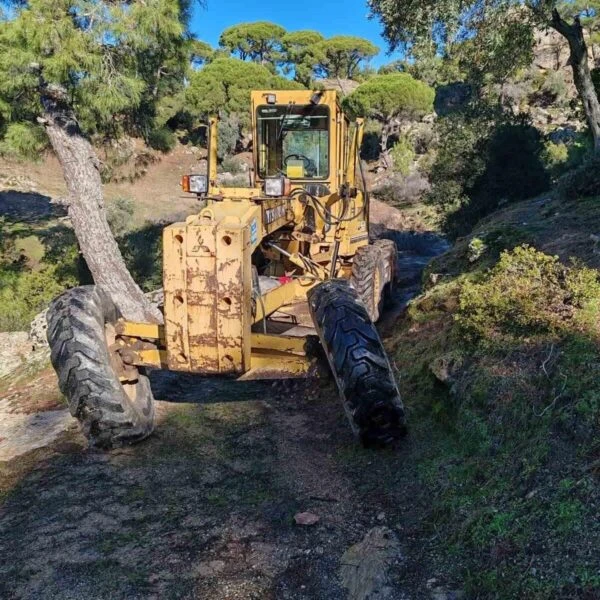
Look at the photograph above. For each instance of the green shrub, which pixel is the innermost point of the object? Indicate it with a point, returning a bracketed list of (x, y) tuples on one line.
[(514, 167), (459, 160), (162, 139), (23, 295), (476, 249), (233, 165), (555, 87), (236, 182), (142, 251), (483, 159), (528, 293), (555, 155), (582, 182), (402, 155), (228, 135), (119, 214), (560, 157)]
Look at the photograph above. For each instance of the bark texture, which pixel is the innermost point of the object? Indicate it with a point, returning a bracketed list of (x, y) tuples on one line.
[(87, 211), (578, 59)]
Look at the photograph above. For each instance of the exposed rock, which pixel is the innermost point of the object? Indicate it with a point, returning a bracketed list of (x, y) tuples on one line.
[(551, 50), (210, 568), (37, 332), (157, 298), (364, 566), (306, 519), (14, 350), (344, 86), (20, 433), (445, 368)]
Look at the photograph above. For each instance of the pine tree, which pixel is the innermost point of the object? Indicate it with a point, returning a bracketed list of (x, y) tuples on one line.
[(74, 69), (388, 99)]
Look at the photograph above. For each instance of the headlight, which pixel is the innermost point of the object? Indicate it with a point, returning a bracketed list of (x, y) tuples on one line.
[(195, 184), (277, 186)]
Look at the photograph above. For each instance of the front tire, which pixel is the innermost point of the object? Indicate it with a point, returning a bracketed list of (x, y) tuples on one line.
[(359, 363), (112, 401)]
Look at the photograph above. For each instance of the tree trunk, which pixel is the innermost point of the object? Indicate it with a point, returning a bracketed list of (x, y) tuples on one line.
[(86, 209), (578, 59), (386, 161)]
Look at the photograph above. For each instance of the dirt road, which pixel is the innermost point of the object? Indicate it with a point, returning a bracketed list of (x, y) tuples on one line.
[(207, 507)]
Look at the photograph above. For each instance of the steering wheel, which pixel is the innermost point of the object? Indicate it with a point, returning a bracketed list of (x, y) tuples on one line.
[(309, 164)]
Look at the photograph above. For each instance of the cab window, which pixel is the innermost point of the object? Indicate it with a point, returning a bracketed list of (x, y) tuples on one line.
[(293, 141)]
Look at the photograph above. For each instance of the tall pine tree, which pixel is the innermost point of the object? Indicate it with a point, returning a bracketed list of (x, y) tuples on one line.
[(72, 69)]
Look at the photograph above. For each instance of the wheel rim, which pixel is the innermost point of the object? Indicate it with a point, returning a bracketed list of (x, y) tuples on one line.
[(126, 374)]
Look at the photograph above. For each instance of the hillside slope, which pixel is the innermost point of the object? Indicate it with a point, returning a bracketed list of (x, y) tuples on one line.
[(498, 361)]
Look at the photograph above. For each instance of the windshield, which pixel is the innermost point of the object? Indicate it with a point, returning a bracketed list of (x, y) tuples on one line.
[(293, 141)]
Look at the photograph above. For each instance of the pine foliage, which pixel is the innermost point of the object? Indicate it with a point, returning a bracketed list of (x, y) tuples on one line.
[(114, 61)]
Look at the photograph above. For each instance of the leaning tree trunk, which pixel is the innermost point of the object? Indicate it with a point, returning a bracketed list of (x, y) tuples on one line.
[(578, 59), (86, 209)]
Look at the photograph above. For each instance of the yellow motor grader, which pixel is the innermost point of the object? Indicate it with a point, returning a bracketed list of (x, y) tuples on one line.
[(253, 284)]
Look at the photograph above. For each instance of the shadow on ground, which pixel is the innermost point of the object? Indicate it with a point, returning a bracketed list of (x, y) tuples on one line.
[(28, 207), (205, 507)]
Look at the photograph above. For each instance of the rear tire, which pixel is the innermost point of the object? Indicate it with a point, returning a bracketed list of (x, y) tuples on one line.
[(389, 257), (112, 410), (359, 363), (373, 274)]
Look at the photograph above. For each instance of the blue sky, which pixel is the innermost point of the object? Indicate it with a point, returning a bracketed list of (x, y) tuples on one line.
[(330, 17)]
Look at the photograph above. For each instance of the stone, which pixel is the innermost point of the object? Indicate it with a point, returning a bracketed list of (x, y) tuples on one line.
[(445, 368), (306, 519), (15, 349), (364, 566), (37, 331)]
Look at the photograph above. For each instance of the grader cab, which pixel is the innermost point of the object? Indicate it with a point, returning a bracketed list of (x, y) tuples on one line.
[(253, 283)]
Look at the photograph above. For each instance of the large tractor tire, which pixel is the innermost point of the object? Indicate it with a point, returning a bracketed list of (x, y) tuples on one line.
[(359, 363), (112, 401), (373, 274)]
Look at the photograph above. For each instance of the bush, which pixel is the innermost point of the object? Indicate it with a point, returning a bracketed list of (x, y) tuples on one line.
[(119, 215), (514, 166), (399, 191), (236, 181), (555, 87), (460, 157), (228, 136), (233, 165), (142, 251), (582, 182), (25, 294), (162, 139), (402, 155), (528, 293), (555, 156)]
